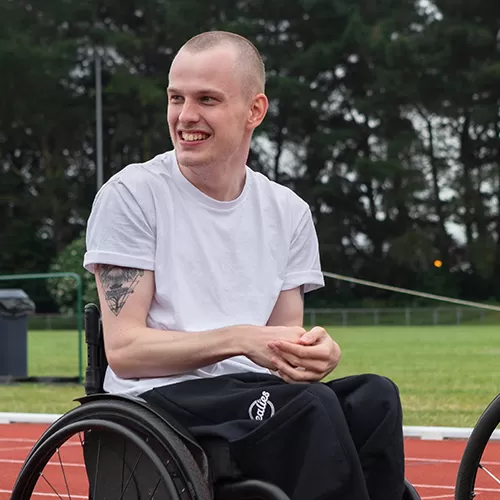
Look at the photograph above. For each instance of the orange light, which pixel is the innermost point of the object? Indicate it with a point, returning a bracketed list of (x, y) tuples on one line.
[(438, 263)]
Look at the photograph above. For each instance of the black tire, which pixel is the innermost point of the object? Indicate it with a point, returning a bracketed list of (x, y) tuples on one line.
[(27, 480), (480, 435), (250, 489), (410, 492), (183, 469)]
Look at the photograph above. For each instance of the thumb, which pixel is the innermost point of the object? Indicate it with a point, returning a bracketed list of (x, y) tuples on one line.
[(312, 336)]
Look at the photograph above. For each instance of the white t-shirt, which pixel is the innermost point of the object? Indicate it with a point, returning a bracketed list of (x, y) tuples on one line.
[(216, 263)]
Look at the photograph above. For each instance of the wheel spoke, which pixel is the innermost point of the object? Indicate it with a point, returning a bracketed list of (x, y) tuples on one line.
[(482, 467), (123, 463), (97, 466), (50, 484), (63, 473), (131, 474), (156, 487)]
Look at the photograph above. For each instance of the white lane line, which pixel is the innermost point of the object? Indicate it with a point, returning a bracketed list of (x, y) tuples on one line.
[(52, 462), (446, 461), (51, 495), (435, 497), (430, 486), (29, 448), (17, 440)]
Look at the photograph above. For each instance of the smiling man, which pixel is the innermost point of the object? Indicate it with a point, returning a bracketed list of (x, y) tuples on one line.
[(201, 266), (212, 114)]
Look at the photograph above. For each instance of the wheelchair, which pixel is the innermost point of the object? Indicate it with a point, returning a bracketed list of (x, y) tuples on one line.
[(472, 461), (130, 451)]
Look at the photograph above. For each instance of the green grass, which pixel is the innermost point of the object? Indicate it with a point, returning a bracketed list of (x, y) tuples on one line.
[(446, 374), (50, 353), (54, 353)]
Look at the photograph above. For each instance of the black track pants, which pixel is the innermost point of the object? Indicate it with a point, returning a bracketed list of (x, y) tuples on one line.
[(339, 440)]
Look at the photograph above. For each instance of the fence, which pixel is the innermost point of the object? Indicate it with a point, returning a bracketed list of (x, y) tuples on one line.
[(407, 316), (404, 316), (54, 343), (52, 322)]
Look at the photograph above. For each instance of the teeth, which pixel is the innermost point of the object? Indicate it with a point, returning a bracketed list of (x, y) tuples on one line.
[(194, 137)]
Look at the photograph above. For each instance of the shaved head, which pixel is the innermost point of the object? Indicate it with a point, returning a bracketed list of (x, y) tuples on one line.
[(248, 59)]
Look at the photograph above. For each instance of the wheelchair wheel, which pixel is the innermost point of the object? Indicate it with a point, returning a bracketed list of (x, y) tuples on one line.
[(472, 461), (102, 456), (34, 467)]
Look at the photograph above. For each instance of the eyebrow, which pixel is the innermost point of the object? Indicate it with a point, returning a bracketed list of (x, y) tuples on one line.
[(172, 90)]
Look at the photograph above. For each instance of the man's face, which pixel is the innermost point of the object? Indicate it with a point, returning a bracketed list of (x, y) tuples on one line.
[(207, 109)]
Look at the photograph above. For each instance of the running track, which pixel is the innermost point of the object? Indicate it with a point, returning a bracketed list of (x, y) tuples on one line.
[(431, 466)]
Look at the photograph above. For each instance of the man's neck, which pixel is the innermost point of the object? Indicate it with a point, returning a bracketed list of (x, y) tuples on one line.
[(223, 183)]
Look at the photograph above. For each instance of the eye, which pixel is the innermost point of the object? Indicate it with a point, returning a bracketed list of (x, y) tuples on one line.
[(175, 98), (207, 100)]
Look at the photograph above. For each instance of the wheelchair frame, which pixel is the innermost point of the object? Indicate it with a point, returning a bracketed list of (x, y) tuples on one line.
[(193, 464), (94, 380)]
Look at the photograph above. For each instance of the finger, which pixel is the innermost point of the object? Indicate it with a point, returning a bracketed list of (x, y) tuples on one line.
[(282, 351), (308, 339), (300, 351), (312, 363), (295, 374), (313, 336)]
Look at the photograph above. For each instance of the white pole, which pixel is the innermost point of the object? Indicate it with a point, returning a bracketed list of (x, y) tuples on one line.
[(98, 113)]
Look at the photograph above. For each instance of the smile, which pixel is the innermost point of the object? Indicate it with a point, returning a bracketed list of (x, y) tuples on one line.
[(193, 136)]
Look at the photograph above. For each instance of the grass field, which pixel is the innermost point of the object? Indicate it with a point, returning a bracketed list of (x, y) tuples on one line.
[(446, 375)]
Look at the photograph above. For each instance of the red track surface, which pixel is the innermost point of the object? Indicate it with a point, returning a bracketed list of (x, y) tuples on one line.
[(431, 466)]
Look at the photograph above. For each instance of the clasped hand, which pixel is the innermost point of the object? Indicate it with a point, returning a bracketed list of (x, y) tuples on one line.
[(310, 359)]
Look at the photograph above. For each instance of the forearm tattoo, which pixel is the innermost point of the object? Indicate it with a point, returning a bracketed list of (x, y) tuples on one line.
[(118, 284)]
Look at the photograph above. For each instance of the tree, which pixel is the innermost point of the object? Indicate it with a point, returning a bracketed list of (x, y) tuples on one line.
[(63, 290), (384, 118)]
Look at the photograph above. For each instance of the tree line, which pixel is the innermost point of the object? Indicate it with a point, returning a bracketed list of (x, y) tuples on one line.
[(384, 116)]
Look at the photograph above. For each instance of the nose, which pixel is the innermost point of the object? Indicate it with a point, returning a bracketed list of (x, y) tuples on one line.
[(189, 113)]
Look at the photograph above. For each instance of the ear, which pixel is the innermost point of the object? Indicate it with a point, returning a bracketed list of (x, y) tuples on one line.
[(257, 111)]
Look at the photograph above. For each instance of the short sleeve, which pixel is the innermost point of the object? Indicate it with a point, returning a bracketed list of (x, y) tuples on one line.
[(120, 230), (304, 267)]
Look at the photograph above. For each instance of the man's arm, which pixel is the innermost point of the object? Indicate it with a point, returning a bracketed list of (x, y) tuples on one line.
[(289, 308), (136, 351)]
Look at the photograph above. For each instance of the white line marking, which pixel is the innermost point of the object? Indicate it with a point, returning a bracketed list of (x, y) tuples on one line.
[(52, 495), (492, 490), (441, 487), (437, 496), (445, 461), (29, 448), (17, 440), (66, 464), (17, 448)]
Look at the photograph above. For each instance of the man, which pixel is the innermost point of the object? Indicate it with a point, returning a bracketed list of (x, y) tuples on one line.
[(201, 266)]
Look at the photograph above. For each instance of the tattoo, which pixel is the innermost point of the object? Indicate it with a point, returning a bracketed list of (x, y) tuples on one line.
[(118, 284)]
